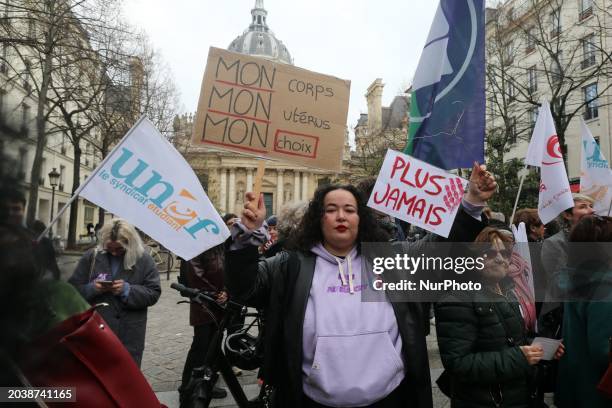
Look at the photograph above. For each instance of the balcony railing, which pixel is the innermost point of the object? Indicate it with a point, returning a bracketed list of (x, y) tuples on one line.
[(555, 32), (586, 13), (591, 113), (588, 61)]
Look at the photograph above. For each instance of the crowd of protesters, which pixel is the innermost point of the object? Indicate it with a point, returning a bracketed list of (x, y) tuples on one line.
[(325, 348)]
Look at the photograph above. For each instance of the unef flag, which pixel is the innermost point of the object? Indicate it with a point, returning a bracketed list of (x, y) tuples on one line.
[(147, 182), (447, 106), (595, 173), (544, 152)]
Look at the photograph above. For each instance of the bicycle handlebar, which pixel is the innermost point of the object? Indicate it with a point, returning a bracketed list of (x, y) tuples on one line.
[(198, 295), (194, 293)]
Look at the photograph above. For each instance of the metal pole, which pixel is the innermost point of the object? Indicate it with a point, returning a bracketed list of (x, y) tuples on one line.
[(518, 194), (168, 265), (92, 175), (51, 217)]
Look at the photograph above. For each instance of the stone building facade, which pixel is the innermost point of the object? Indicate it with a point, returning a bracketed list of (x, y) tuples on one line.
[(382, 128), (540, 50)]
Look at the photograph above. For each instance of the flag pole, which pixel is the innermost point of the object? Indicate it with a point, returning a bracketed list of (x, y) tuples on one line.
[(91, 177), (518, 194)]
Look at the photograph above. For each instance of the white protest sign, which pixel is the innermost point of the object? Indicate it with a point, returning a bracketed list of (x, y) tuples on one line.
[(418, 193), (147, 182)]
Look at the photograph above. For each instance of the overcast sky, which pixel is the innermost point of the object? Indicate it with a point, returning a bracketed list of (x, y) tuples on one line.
[(358, 40)]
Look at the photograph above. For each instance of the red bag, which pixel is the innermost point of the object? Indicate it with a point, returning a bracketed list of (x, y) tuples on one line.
[(605, 385), (84, 353)]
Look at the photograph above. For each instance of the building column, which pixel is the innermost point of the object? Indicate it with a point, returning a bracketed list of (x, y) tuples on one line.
[(296, 186), (305, 186), (223, 195), (279, 190), (232, 190), (249, 185)]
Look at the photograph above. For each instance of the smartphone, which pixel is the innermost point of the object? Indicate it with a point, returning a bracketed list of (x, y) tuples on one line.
[(106, 283)]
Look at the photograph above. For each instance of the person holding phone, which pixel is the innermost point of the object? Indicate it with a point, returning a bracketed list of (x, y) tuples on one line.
[(121, 273)]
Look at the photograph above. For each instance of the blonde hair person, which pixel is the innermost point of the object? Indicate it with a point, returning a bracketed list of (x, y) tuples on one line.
[(122, 274), (583, 205), (120, 231)]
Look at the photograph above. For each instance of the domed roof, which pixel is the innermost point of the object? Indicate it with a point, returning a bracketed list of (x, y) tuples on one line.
[(258, 40)]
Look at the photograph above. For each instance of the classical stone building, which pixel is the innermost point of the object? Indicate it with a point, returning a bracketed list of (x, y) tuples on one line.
[(227, 176), (382, 128)]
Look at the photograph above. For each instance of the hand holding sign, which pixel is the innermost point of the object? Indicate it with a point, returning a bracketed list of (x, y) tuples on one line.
[(254, 212), (482, 185)]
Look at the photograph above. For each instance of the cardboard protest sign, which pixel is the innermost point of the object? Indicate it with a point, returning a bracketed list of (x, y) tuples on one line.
[(418, 193), (254, 106)]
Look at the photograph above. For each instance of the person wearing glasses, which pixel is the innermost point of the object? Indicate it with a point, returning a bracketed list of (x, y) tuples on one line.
[(121, 273), (482, 338)]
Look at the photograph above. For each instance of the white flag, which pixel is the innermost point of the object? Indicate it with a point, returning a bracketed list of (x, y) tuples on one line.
[(521, 247), (544, 152), (595, 173), (147, 182)]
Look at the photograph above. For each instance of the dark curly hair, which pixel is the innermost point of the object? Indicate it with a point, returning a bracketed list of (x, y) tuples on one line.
[(309, 232)]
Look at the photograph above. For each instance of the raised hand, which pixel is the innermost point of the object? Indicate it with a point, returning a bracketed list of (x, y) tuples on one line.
[(482, 185), (254, 212)]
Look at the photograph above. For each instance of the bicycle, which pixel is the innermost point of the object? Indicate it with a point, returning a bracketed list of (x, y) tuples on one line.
[(164, 260), (205, 377)]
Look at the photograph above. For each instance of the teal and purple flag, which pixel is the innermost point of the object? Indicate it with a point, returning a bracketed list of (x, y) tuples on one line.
[(447, 107)]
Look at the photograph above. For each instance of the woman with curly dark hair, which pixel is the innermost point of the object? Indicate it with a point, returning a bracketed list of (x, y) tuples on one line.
[(310, 232), (325, 347)]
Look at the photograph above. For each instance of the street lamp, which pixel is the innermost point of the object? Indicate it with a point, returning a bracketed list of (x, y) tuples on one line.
[(54, 181)]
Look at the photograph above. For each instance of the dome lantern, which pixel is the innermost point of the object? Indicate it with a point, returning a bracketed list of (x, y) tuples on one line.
[(259, 41)]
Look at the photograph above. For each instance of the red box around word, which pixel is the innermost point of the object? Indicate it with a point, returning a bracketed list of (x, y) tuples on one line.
[(295, 144)]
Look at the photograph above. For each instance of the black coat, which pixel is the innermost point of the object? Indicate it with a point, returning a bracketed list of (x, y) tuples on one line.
[(281, 285), (481, 353)]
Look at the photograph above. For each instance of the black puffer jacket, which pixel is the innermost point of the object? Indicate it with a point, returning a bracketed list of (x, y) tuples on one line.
[(482, 354)]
